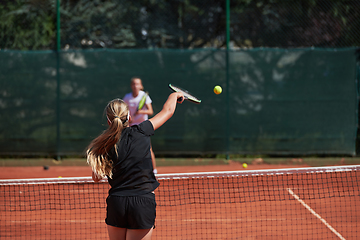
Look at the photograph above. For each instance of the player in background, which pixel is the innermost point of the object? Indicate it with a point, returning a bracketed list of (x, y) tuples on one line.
[(138, 116)]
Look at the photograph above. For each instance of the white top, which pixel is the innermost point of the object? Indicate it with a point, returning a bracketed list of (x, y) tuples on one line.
[(133, 103)]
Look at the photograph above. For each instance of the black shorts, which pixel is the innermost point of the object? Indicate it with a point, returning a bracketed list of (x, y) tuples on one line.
[(131, 212)]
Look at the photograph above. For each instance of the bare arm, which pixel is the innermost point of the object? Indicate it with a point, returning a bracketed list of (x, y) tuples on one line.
[(168, 110), (95, 177), (149, 110)]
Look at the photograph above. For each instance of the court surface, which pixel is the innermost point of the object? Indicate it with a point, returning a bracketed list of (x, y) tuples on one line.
[(286, 218)]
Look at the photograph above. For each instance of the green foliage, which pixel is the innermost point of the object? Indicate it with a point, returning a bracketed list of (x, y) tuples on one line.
[(27, 25), (184, 24), (281, 23)]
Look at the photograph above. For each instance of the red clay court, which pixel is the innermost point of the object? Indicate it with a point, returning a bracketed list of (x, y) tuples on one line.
[(305, 203)]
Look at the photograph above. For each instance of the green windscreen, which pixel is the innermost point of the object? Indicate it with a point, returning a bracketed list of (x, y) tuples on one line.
[(27, 103), (274, 101)]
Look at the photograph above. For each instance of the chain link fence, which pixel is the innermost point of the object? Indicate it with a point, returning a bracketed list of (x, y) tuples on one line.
[(290, 79), (180, 24)]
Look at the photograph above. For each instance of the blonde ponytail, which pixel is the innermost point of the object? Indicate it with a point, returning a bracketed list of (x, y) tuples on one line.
[(117, 113)]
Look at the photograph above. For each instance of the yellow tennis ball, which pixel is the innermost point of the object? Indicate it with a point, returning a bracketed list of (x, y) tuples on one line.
[(244, 165), (217, 89)]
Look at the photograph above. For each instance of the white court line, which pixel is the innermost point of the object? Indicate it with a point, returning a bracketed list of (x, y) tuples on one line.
[(315, 214), (55, 221)]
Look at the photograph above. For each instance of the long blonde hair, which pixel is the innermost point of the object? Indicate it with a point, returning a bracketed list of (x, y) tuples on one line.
[(117, 113)]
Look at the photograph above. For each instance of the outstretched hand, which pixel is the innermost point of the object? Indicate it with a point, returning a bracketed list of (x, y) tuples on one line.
[(180, 97), (168, 109)]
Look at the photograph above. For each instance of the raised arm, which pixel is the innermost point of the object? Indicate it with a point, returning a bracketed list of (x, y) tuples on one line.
[(167, 111)]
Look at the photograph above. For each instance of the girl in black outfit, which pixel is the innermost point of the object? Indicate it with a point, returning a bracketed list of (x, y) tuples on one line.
[(122, 154)]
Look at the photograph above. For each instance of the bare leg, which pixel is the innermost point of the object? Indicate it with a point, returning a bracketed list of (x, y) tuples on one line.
[(116, 233), (139, 234)]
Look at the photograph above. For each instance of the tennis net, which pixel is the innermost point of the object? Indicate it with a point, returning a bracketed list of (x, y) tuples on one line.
[(302, 203)]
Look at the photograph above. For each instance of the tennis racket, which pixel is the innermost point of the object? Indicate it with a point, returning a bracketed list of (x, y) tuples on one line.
[(142, 101), (188, 96)]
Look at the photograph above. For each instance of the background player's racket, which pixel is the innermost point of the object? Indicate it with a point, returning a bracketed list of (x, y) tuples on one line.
[(188, 96), (142, 101)]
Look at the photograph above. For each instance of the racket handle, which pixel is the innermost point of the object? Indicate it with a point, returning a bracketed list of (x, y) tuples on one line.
[(180, 99)]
